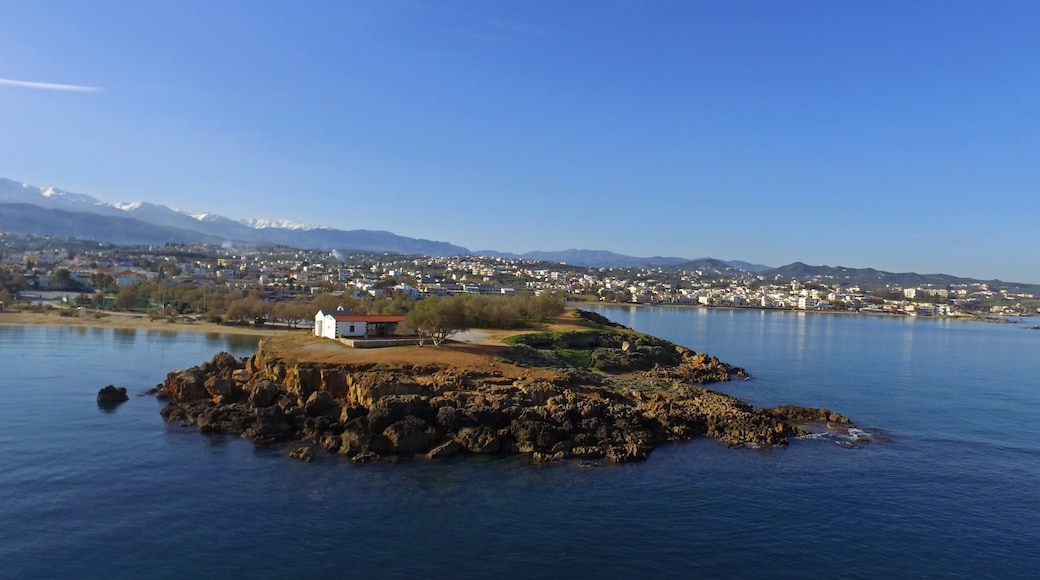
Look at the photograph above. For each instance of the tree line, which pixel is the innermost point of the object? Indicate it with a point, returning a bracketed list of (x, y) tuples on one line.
[(220, 305), (437, 319)]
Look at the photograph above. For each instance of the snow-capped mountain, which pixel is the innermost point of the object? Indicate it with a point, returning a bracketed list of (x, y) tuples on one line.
[(260, 223), (28, 209), (64, 197), (51, 198), (209, 223)]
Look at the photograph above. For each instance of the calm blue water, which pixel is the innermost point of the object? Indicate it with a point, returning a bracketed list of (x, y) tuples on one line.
[(949, 486)]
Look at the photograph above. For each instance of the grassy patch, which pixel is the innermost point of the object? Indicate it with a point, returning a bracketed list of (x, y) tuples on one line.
[(559, 339), (579, 358)]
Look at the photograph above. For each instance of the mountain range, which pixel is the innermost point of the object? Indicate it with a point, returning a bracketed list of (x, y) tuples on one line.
[(32, 210)]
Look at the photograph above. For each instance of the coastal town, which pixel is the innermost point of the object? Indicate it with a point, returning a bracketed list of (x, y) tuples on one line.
[(45, 272)]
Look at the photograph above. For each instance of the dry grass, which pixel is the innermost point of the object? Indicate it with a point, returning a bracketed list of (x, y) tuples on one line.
[(477, 350)]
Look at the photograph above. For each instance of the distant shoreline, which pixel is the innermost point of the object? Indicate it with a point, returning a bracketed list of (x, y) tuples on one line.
[(963, 316), (130, 321)]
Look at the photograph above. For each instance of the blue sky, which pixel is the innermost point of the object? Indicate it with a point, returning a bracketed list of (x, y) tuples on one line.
[(898, 135)]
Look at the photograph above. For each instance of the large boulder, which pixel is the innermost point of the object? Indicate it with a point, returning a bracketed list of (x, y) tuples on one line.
[(271, 424), (356, 438), (533, 435), (264, 394), (112, 396), (410, 435), (319, 403), (222, 390), (479, 439), (224, 365), (368, 387), (392, 408), (186, 386), (447, 418)]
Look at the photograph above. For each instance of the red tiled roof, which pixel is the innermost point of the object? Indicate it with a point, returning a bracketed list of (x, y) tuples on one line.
[(367, 318)]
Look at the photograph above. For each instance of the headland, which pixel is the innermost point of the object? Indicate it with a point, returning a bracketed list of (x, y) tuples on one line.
[(583, 388)]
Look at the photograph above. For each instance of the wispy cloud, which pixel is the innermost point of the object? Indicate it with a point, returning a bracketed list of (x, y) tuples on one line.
[(50, 86)]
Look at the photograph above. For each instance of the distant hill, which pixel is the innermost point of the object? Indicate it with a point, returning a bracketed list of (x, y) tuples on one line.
[(30, 219), (588, 258), (709, 266), (869, 278), (748, 266)]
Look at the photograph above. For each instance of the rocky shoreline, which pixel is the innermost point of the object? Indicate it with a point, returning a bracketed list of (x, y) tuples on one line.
[(605, 392)]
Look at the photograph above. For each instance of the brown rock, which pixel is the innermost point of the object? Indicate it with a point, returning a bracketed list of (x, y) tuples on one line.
[(443, 449), (478, 439), (320, 403), (410, 435)]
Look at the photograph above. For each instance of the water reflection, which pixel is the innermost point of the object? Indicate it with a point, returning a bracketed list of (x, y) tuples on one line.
[(240, 342), (162, 334), (124, 335), (216, 440), (6, 330)]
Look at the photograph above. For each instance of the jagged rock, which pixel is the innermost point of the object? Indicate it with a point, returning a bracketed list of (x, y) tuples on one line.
[(271, 424), (443, 449), (809, 414), (478, 439), (319, 403), (367, 411), (303, 454), (535, 435), (366, 388), (330, 442), (185, 386), (356, 438), (221, 390), (111, 396), (448, 418), (410, 435), (585, 452), (351, 412), (364, 457), (391, 408), (223, 364), (264, 394)]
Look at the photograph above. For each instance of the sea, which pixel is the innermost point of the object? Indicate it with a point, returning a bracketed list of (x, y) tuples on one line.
[(940, 479)]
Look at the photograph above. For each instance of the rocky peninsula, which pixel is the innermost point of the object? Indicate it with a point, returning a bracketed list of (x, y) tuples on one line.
[(591, 389)]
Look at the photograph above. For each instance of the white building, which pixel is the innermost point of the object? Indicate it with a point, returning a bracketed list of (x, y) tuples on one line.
[(341, 323)]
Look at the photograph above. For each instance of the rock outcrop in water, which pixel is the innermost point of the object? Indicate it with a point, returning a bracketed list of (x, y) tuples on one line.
[(111, 396), (605, 393)]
